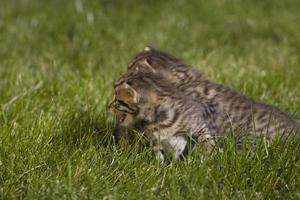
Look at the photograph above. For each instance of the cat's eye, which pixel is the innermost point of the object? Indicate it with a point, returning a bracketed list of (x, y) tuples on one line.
[(122, 103)]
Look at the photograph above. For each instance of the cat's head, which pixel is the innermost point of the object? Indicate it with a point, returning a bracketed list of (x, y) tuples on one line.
[(154, 61), (134, 100)]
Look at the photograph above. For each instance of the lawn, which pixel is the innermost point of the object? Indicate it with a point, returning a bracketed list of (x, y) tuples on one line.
[(58, 60)]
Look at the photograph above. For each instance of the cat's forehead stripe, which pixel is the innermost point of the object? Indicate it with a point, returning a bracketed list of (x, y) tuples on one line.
[(146, 63)]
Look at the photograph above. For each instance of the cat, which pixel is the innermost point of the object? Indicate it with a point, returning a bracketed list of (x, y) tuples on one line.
[(168, 118), (230, 110)]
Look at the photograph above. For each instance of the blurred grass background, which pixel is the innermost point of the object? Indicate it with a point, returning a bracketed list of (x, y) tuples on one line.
[(58, 60)]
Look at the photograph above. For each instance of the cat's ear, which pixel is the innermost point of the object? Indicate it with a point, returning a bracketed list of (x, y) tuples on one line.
[(127, 93), (146, 63), (148, 48)]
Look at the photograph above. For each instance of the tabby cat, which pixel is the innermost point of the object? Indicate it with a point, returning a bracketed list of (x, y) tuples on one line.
[(168, 118), (228, 109)]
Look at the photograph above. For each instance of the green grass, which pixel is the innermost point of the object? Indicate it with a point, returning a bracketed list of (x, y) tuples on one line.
[(58, 60)]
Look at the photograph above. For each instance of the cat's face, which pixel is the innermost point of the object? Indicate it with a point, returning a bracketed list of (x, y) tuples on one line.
[(124, 104), (123, 113), (133, 101)]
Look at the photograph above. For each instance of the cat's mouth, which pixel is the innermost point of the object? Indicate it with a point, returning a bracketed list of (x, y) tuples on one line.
[(122, 118)]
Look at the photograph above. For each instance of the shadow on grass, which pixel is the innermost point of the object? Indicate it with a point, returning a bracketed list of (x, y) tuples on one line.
[(88, 127), (83, 128)]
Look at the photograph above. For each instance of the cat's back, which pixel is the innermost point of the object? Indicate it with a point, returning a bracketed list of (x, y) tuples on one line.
[(237, 111)]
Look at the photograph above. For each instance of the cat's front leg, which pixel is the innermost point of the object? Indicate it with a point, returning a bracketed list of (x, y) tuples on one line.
[(171, 147), (178, 145), (155, 142), (207, 141), (158, 150)]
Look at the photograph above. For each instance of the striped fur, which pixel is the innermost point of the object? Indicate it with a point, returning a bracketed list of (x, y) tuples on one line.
[(228, 109), (169, 118)]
